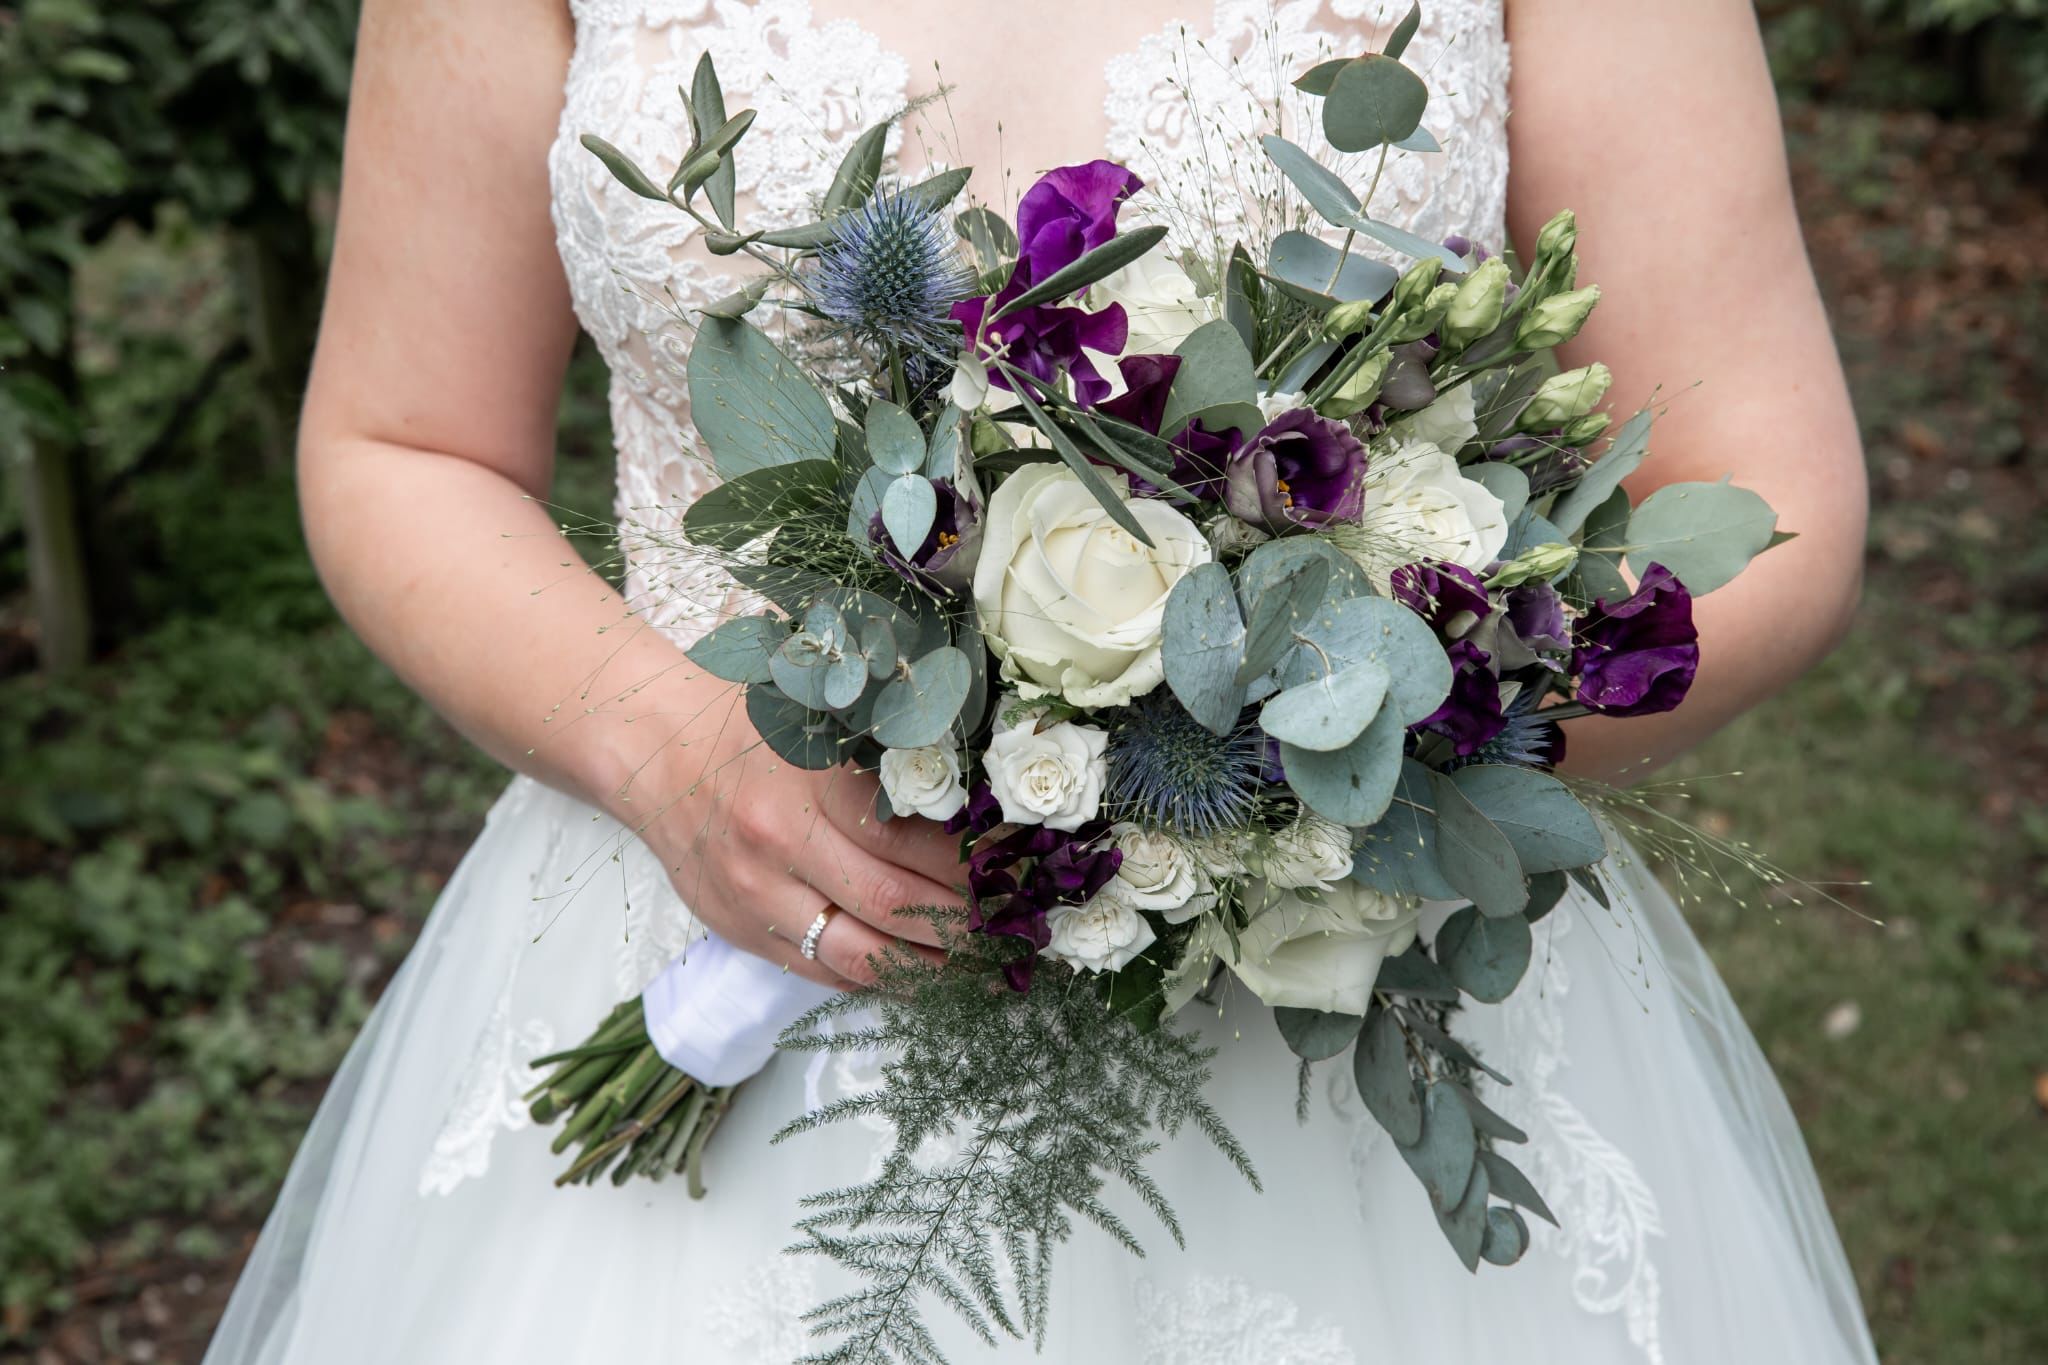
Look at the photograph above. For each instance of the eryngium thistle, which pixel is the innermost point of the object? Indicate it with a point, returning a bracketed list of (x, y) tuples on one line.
[(891, 273), (1526, 741), (1168, 771)]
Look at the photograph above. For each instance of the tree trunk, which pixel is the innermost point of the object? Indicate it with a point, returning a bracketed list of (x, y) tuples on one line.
[(46, 479), (278, 274)]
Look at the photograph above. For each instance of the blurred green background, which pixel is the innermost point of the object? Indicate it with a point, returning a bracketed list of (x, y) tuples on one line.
[(221, 821)]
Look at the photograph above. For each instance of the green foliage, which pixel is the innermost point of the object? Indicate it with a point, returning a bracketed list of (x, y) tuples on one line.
[(1951, 56)]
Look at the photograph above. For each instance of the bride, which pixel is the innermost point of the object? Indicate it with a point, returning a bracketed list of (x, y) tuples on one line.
[(420, 1224)]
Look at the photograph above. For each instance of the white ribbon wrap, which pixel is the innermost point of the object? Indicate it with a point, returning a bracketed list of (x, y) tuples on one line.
[(715, 1012)]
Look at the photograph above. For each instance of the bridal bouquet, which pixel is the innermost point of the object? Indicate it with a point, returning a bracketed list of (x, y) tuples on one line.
[(1224, 598)]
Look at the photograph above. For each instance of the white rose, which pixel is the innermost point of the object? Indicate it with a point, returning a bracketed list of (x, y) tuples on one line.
[(1448, 423), (924, 781), (1160, 300), (1418, 505), (1311, 852), (1220, 854), (1051, 776), (1070, 601), (1101, 936), (1158, 872), (1322, 954)]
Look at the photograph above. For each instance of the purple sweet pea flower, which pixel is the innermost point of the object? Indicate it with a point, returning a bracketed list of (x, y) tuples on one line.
[(1637, 657), (945, 561), (982, 813), (1198, 456), (1045, 339), (1471, 714), (1068, 213), (1448, 596), (1534, 629), (1300, 472), (1066, 869)]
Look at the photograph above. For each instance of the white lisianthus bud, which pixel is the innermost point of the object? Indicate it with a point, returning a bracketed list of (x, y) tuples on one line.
[(1101, 936), (924, 781), (1417, 283), (1311, 852), (1359, 388), (1051, 776), (1477, 307), (1347, 318), (1566, 397), (1159, 872), (1560, 236), (1538, 563), (1556, 319), (969, 387), (1587, 429)]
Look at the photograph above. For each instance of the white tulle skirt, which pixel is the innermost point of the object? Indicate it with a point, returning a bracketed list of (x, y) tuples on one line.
[(420, 1224)]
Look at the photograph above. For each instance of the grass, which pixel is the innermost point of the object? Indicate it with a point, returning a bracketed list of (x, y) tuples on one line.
[(216, 844)]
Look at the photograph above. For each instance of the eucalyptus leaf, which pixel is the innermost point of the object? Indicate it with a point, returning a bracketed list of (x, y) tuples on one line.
[(737, 650), (866, 503), (1416, 975), (895, 441), (707, 113), (1409, 244), (1316, 80), (1377, 630), (799, 667), (1215, 369), (1329, 712), (1240, 292), (1507, 1236), (909, 506), (1604, 541), (622, 167), (846, 677), (1202, 646), (1588, 880), (1316, 1035), (1104, 261), (1398, 855), (974, 648), (1465, 1224), (1278, 606), (918, 709), (1705, 533), (1303, 265), (1546, 889), (1526, 532), (1505, 482), (858, 171), (805, 738), (1485, 956), (1380, 1067), (1550, 828), (1294, 379), (1421, 140), (1475, 856), (1510, 1184), (943, 452), (1268, 568), (1373, 101), (1404, 32), (1488, 1123), (1352, 785), (751, 405), (746, 508), (1625, 454), (1444, 1157), (1329, 196)]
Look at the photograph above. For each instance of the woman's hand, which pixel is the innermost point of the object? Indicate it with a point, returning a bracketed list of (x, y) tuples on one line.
[(757, 847)]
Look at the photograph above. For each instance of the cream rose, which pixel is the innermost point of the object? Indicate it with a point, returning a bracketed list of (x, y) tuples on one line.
[(1051, 776), (1419, 506), (1325, 953), (1448, 423), (1158, 872), (924, 781), (1101, 936), (1311, 852), (1070, 601), (1159, 299)]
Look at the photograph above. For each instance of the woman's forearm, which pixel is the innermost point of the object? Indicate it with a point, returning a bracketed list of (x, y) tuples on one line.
[(469, 590)]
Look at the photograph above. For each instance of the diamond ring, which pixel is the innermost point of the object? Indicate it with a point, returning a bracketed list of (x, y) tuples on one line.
[(809, 947)]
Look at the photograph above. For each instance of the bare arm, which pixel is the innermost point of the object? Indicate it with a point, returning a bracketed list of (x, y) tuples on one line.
[(429, 429), (1656, 122)]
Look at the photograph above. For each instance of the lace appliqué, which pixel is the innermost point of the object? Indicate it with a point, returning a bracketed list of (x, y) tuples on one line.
[(1226, 1321), (1185, 111), (759, 1316)]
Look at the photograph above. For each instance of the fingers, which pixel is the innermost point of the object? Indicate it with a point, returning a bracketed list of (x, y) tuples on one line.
[(870, 888), (852, 947), (912, 842)]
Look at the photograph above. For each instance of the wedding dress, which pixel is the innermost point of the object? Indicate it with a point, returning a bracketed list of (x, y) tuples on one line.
[(420, 1222)]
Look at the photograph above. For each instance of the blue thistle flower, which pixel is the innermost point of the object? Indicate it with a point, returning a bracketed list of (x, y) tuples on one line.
[(1169, 771), (1525, 740), (891, 273)]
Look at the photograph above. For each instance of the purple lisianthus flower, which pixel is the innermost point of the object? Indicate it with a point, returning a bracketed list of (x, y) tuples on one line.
[(1470, 716), (1534, 629), (1064, 869), (1448, 596), (1300, 472), (945, 561), (1198, 456), (1046, 339), (1458, 244), (1638, 656), (1068, 213)]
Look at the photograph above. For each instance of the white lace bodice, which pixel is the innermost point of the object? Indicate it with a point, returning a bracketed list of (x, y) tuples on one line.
[(632, 263)]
